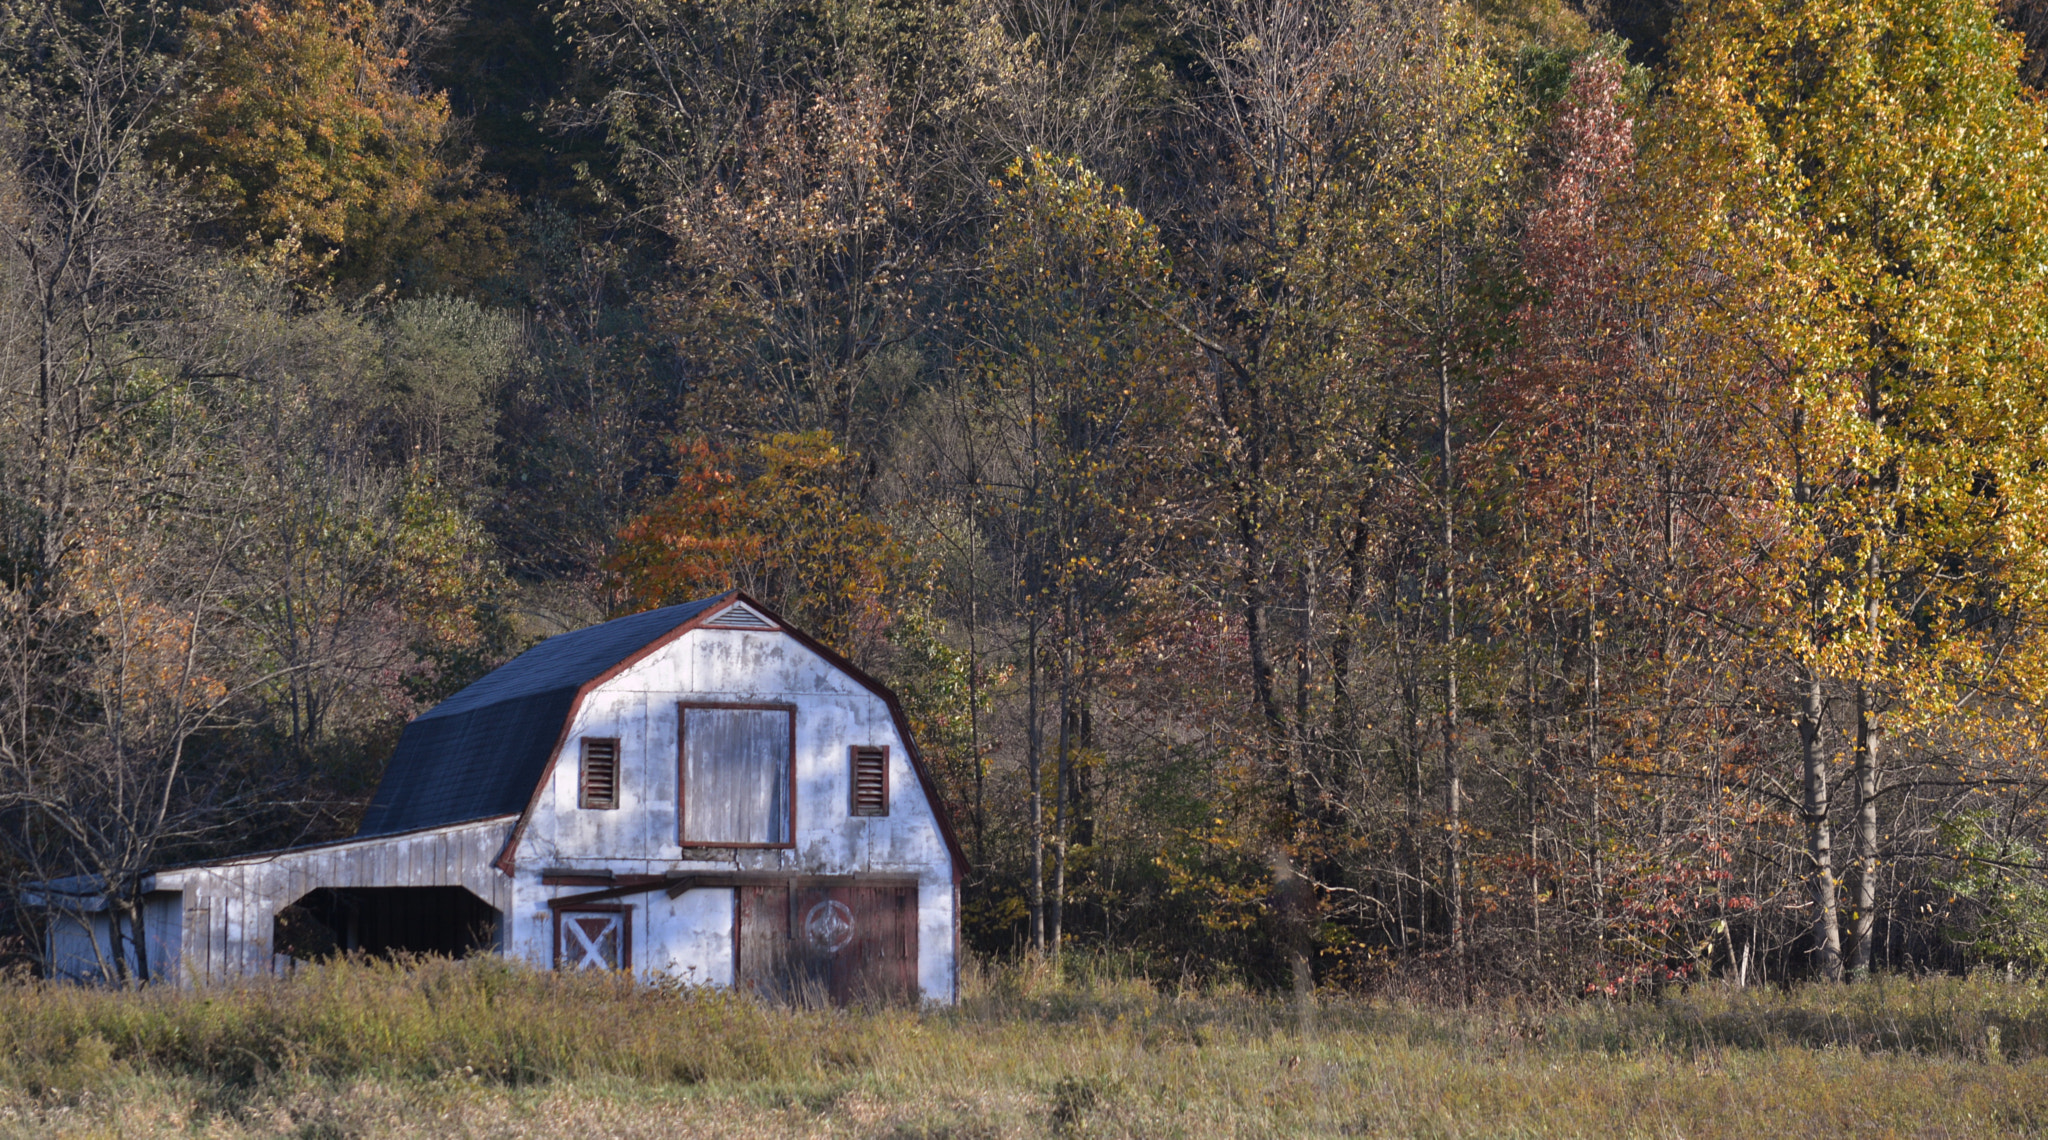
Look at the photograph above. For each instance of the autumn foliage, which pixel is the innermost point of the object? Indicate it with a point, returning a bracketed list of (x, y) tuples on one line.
[(1382, 493), (315, 148), (791, 533)]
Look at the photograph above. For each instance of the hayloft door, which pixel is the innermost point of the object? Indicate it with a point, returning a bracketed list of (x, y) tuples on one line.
[(841, 942)]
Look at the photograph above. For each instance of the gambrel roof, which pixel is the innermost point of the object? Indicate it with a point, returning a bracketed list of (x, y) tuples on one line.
[(486, 750), (480, 752)]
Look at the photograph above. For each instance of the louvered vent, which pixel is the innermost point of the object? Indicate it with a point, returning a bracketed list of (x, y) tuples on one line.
[(600, 774), (870, 781), (740, 615)]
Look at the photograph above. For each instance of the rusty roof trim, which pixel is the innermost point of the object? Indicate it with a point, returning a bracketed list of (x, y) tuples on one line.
[(707, 607), (888, 695)]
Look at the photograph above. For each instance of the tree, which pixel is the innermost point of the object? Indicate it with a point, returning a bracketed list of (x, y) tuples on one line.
[(88, 253), (445, 361), (1364, 159), (1078, 391), (1877, 176), (305, 134), (1571, 385), (775, 148), (1620, 469), (793, 535), (138, 477), (800, 247)]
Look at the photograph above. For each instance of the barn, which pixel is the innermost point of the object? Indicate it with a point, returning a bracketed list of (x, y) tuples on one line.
[(701, 791)]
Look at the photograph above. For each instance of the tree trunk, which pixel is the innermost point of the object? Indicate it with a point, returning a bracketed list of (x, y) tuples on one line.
[(116, 907), (1063, 782), (138, 926), (1535, 788), (1595, 851), (1596, 866), (1445, 330), (1414, 739), (1864, 913), (1453, 768), (1343, 702), (1258, 633), (1305, 792), (1034, 738), (1291, 892), (1827, 929), (974, 675)]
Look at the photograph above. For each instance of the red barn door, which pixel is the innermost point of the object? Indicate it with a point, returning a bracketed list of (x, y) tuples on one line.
[(841, 943)]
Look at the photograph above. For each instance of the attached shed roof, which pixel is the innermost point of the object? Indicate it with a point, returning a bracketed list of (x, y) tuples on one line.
[(482, 751)]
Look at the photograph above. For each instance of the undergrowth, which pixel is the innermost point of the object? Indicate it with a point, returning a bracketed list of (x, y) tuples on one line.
[(482, 1018), (1086, 1047)]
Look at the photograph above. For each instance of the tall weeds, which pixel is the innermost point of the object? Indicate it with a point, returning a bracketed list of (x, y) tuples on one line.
[(422, 1019), (1085, 1046)]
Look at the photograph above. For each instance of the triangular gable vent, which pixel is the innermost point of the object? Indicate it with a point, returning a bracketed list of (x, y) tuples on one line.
[(740, 615)]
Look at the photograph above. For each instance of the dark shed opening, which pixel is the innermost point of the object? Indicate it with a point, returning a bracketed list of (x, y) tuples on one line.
[(386, 921)]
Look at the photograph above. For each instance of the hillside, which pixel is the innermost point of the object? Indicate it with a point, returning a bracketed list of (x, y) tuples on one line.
[(1510, 496)]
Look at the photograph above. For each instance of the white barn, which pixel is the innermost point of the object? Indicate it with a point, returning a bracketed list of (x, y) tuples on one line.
[(700, 791)]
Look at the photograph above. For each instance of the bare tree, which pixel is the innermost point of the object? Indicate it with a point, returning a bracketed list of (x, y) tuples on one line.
[(87, 238)]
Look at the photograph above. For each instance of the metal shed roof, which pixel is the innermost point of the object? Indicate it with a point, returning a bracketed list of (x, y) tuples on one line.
[(482, 751)]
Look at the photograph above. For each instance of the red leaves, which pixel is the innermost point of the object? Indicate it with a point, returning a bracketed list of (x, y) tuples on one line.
[(794, 535), (688, 544)]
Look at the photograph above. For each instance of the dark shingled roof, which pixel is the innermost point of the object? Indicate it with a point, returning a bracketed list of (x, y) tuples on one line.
[(481, 752)]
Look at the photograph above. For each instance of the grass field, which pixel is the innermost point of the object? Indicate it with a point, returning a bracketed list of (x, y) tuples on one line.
[(481, 1049)]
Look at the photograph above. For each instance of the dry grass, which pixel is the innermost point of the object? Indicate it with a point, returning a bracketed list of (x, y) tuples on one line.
[(481, 1049)]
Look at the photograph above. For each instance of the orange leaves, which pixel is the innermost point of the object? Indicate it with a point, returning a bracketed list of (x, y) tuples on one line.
[(794, 534), (690, 543), (149, 665)]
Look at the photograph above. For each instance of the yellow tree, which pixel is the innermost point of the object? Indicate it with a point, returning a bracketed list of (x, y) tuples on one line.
[(1077, 393), (1869, 187), (305, 132)]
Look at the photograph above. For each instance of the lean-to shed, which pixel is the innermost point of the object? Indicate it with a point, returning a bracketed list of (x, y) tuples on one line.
[(699, 791)]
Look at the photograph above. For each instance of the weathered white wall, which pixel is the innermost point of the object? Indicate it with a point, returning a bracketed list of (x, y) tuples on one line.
[(689, 936), (80, 949), (230, 908), (640, 707), (218, 924)]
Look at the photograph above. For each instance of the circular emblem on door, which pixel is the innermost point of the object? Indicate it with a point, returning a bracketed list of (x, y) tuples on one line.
[(829, 926)]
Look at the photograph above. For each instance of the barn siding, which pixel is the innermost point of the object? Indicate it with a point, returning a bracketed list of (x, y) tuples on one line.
[(230, 908), (640, 707), (80, 946)]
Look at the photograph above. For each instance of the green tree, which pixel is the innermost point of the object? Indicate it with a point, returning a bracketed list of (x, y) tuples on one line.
[(1999, 874), (444, 361)]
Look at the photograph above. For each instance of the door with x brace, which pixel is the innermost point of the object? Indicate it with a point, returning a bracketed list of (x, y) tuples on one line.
[(594, 938)]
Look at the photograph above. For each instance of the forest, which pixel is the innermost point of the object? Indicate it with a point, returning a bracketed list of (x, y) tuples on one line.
[(1521, 495)]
